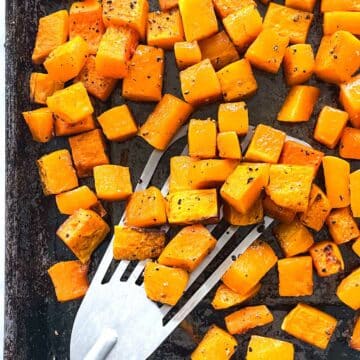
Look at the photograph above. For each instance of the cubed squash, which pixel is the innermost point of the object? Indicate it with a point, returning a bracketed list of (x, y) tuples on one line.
[(83, 232), (348, 290), (277, 212), (199, 83), (227, 7), (299, 104), (88, 151), (168, 4), (166, 119), (266, 145), (57, 173), (187, 53), (341, 20), (146, 208), (216, 344), (188, 207), (72, 200), (188, 248), (144, 81), (253, 216), (310, 325), (179, 178), (344, 5), (237, 80), (349, 98), (244, 185), (355, 193), (99, 209), (356, 247), (40, 123), (42, 86), (53, 30), (198, 18), (294, 238), (137, 244), (299, 63), (233, 117), (63, 128), (69, 279), (350, 144), (245, 319), (118, 123), (337, 187), (228, 145), (295, 276), (244, 273), (265, 348), (202, 138), (305, 5), (355, 337)]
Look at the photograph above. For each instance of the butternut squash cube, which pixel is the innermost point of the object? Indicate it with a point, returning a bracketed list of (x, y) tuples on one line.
[(233, 117), (99, 209), (344, 5), (237, 80), (42, 86), (266, 145), (179, 178), (202, 138), (72, 200), (187, 53), (355, 193), (146, 208), (228, 145), (355, 338), (145, 79), (227, 7), (244, 273), (137, 244), (299, 63), (168, 4), (69, 279), (83, 232), (310, 325), (261, 348), (53, 30), (40, 123), (198, 18), (166, 119), (341, 20), (254, 216), (199, 83), (71, 104), (350, 144), (57, 173), (193, 206), (118, 123), (356, 247), (305, 5), (277, 212), (216, 344), (188, 248), (348, 290), (294, 238), (164, 284), (349, 99), (63, 128), (116, 48), (295, 276)]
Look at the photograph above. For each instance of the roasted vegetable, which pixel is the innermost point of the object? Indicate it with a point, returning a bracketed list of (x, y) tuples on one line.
[(42, 86), (341, 20), (348, 290), (355, 337), (344, 5), (180, 173), (350, 100), (168, 4), (253, 216), (202, 138), (277, 212), (233, 117), (187, 53), (265, 348), (355, 193), (350, 144), (356, 247), (40, 123), (305, 5), (227, 7), (228, 145), (63, 128)]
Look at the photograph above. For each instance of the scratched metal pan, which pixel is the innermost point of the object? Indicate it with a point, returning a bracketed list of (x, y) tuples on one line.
[(37, 327)]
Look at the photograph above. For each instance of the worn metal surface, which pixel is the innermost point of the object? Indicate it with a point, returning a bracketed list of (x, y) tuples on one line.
[(37, 327)]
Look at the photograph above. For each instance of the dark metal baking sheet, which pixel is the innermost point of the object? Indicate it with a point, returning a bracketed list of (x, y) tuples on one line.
[(37, 327)]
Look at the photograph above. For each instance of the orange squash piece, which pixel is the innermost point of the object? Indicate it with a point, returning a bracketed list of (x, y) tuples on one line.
[(265, 348), (350, 144), (233, 117), (227, 7), (356, 247), (42, 86), (305, 5), (168, 4), (253, 216), (40, 123), (99, 209), (57, 173), (277, 212), (69, 279), (53, 30), (355, 193), (63, 128), (349, 98), (355, 337), (179, 178), (187, 53), (144, 81), (266, 145), (228, 145), (188, 248), (165, 120), (341, 20), (118, 123), (348, 290), (299, 104), (202, 138), (344, 5)]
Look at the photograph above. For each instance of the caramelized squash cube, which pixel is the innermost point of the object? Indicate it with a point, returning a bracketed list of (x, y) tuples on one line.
[(180, 173), (277, 212), (233, 117), (227, 7), (350, 144), (349, 98), (63, 128), (355, 193), (305, 5), (253, 216), (228, 145), (42, 86), (265, 348), (335, 5), (355, 337), (187, 53), (348, 290), (168, 4), (40, 123), (202, 138), (341, 20)]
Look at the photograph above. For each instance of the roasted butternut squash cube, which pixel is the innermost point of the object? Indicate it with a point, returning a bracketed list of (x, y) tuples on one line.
[(216, 344), (310, 325), (356, 247), (350, 144), (71, 104), (253, 216), (277, 212), (337, 188), (40, 123), (179, 178), (188, 248), (144, 81), (166, 119), (350, 100), (335, 5), (244, 185), (137, 244), (270, 349), (99, 209), (266, 145), (243, 25), (164, 284), (69, 279), (341, 20), (88, 151), (237, 80), (337, 57), (227, 7), (233, 117), (116, 48), (355, 337), (244, 273), (53, 30), (63, 128), (348, 290), (146, 208), (307, 5), (57, 173), (299, 63), (355, 193), (199, 83), (198, 18), (168, 4), (288, 22), (133, 14), (42, 86), (72, 200), (202, 138), (294, 238), (228, 145), (83, 232), (187, 53), (112, 182), (295, 276), (97, 85), (118, 123)]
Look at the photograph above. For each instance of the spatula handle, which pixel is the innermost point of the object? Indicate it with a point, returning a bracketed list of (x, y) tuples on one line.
[(103, 345)]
